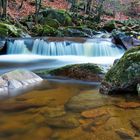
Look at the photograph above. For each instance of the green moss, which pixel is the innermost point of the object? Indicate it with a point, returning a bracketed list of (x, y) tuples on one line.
[(10, 30), (52, 23), (127, 69), (47, 30), (60, 15), (87, 68)]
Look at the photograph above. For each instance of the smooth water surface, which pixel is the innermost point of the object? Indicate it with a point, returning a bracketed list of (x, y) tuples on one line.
[(47, 112)]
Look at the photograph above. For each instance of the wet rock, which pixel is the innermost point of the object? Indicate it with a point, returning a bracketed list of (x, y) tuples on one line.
[(17, 106), (124, 40), (125, 134), (7, 29), (127, 105), (18, 79), (86, 101), (86, 72), (135, 122), (138, 89), (94, 113), (123, 76), (93, 123), (53, 112), (66, 121)]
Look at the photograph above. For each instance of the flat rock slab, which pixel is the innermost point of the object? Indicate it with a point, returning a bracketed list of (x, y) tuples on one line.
[(135, 122), (87, 101), (125, 134), (128, 105), (17, 79), (94, 113)]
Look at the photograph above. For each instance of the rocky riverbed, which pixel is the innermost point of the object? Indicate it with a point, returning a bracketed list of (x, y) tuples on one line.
[(66, 111)]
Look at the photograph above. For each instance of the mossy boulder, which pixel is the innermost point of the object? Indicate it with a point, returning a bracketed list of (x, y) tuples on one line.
[(86, 72), (110, 25), (61, 16), (124, 75), (45, 30), (80, 31), (52, 23), (10, 30)]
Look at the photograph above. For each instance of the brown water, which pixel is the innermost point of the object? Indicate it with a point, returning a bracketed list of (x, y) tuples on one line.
[(48, 112)]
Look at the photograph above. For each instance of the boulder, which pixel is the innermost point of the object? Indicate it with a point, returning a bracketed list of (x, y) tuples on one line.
[(120, 38), (77, 31), (86, 72), (138, 88), (10, 30), (60, 15), (124, 75), (17, 79)]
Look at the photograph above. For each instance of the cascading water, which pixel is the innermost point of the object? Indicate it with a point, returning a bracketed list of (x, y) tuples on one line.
[(40, 54), (92, 48)]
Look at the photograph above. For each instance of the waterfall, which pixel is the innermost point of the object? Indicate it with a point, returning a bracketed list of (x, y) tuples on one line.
[(56, 48), (18, 47), (96, 47)]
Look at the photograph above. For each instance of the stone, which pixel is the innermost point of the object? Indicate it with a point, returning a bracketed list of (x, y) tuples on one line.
[(125, 134), (124, 75), (124, 40), (128, 105), (138, 89), (10, 30), (18, 79), (86, 72), (60, 15), (53, 112), (17, 106), (86, 101), (94, 113), (135, 122), (66, 121)]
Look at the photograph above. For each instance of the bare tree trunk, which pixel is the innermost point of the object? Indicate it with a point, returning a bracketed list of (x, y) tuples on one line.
[(1, 8), (38, 6), (5, 3)]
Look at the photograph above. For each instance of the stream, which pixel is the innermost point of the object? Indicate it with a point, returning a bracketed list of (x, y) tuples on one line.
[(69, 109)]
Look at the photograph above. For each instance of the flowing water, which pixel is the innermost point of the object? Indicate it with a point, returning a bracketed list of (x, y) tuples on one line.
[(33, 54), (65, 109)]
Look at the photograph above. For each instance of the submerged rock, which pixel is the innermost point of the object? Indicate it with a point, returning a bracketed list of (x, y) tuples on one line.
[(124, 75), (135, 122), (125, 134), (128, 105), (66, 121), (94, 113), (86, 101), (18, 79)]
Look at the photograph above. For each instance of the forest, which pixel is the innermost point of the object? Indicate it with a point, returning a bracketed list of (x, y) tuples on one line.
[(70, 69)]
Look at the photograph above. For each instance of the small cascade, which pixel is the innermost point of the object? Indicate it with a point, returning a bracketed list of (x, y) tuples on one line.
[(57, 48), (18, 47), (94, 48), (102, 48)]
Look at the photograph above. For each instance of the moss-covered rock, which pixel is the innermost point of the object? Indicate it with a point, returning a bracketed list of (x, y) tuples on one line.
[(80, 31), (110, 25), (45, 30), (9, 30), (124, 75), (60, 15), (87, 72)]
